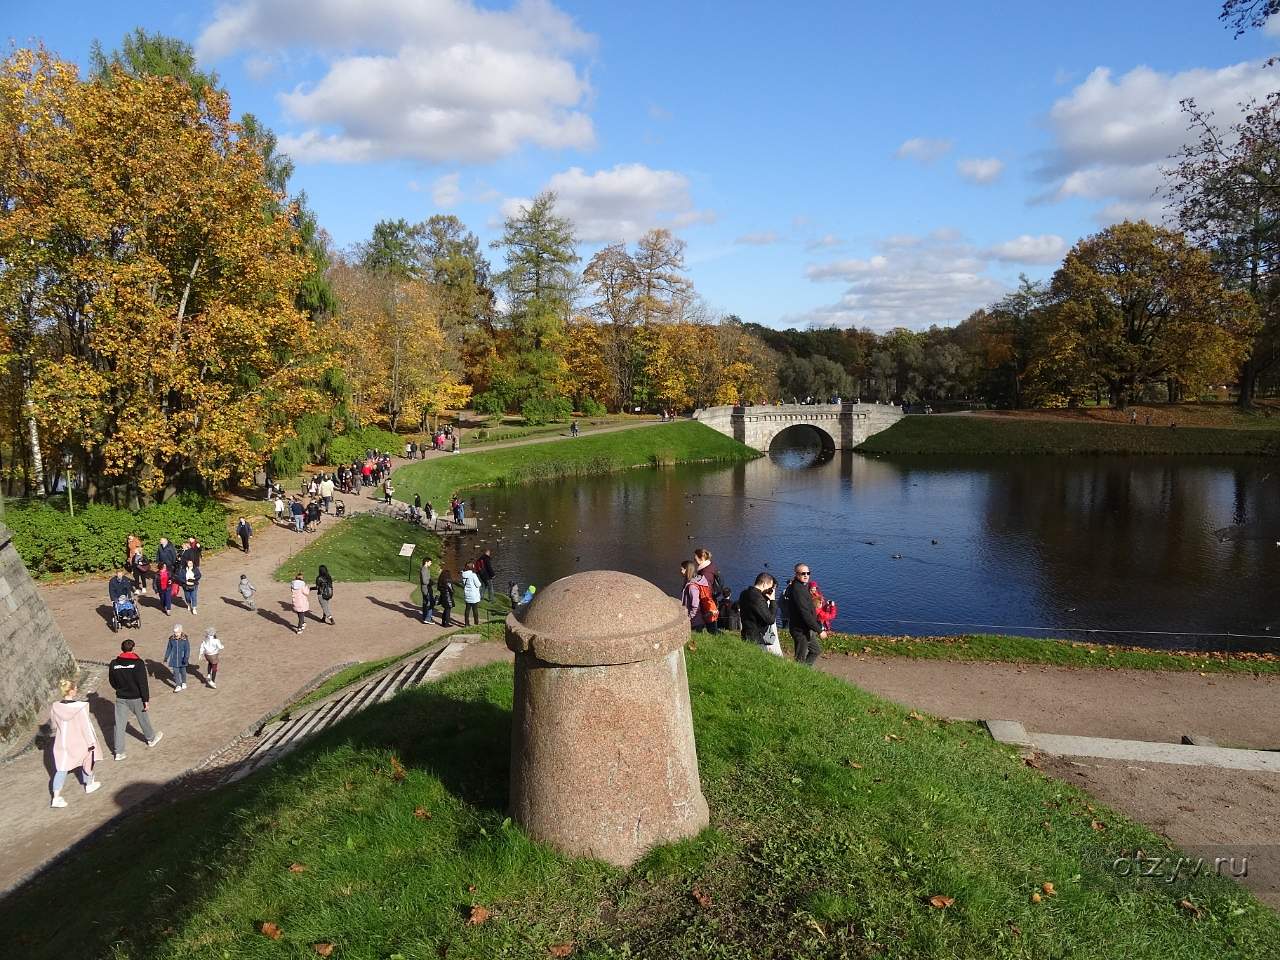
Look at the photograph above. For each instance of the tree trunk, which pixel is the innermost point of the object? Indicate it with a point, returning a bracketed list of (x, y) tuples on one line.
[(1248, 383), (37, 459)]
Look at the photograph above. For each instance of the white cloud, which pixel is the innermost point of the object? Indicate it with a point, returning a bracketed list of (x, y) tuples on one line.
[(620, 204), (923, 149), (823, 242), (913, 281), (1047, 248), (1272, 27), (435, 80), (1112, 135), (761, 238), (446, 191), (981, 169)]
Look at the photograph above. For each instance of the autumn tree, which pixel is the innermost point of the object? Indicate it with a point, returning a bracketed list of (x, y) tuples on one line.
[(1140, 304), (1226, 189), (133, 244)]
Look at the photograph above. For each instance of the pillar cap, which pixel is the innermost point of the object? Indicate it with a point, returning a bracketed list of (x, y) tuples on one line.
[(596, 618)]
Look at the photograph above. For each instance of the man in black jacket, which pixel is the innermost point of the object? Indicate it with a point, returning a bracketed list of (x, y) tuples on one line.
[(758, 609), (166, 556), (484, 567), (119, 586), (806, 631), (128, 676)]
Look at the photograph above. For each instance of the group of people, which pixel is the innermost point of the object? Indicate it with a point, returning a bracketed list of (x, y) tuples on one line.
[(710, 606), (476, 581), (173, 574)]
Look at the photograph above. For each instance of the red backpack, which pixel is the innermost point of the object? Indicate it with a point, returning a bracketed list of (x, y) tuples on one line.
[(707, 604)]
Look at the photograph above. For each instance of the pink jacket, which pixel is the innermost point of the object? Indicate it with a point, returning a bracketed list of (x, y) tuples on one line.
[(74, 743), (301, 600)]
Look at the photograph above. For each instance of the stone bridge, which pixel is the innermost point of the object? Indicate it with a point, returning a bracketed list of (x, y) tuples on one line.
[(842, 426)]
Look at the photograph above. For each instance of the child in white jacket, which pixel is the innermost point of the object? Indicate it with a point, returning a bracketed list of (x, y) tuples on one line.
[(210, 648)]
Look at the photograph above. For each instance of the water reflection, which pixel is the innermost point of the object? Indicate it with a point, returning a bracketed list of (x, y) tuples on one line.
[(937, 545)]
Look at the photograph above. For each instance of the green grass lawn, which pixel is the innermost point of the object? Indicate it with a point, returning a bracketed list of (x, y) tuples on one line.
[(363, 547), (836, 819), (1066, 653), (1011, 436), (669, 443), (501, 429)]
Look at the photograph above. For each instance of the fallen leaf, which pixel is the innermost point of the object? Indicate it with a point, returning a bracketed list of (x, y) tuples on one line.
[(478, 916), (471, 888), (941, 902), (297, 868), (1014, 928), (561, 949), (1032, 761), (855, 766), (422, 813), (1097, 825), (324, 948), (1190, 907), (891, 736), (397, 769), (693, 647), (1048, 889), (1035, 897), (272, 930), (704, 901), (914, 715)]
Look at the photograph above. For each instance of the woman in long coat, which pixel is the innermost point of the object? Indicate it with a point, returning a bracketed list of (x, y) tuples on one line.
[(74, 744)]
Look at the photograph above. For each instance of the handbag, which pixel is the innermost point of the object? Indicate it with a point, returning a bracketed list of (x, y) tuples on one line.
[(772, 642)]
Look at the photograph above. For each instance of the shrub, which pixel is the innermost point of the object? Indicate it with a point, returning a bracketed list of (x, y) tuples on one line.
[(592, 407), (52, 541), (540, 410), (350, 446), (489, 403)]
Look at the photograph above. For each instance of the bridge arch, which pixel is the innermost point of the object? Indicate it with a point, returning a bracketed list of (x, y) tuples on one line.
[(793, 435), (846, 424)]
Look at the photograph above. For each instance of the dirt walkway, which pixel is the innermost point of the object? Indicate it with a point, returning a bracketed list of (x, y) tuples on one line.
[(1207, 812)]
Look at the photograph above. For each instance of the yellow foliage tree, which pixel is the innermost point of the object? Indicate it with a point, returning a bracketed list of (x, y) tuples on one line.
[(137, 243)]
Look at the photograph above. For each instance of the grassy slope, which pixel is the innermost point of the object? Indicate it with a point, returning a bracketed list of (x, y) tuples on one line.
[(681, 442), (361, 548), (835, 818), (1066, 653), (1011, 436)]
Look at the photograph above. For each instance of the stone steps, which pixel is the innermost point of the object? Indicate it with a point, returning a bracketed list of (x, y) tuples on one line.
[(281, 738)]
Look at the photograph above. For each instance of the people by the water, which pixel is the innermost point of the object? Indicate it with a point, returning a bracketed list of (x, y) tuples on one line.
[(471, 588), (802, 617)]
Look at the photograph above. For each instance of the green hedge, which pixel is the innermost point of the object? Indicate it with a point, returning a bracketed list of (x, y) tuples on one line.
[(51, 541)]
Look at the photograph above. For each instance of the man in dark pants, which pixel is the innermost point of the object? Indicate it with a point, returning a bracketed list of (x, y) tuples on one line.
[(127, 675), (244, 531), (757, 609), (806, 631), (484, 567)]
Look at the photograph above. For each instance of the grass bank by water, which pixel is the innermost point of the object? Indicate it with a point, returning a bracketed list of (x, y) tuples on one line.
[(664, 444), (1063, 653), (842, 826), (361, 548), (1010, 436)]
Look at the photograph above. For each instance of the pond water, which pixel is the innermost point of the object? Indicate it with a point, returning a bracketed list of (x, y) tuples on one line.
[(1163, 552)]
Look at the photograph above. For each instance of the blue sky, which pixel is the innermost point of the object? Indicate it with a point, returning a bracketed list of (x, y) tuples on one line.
[(849, 163)]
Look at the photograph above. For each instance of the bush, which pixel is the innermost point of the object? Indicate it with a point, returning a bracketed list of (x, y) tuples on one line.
[(540, 410), (489, 403), (350, 446), (592, 407), (52, 541)]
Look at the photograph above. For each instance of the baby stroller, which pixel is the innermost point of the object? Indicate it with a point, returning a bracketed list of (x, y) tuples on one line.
[(124, 613), (340, 509)]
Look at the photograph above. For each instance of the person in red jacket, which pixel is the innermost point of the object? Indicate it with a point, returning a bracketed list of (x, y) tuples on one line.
[(128, 676)]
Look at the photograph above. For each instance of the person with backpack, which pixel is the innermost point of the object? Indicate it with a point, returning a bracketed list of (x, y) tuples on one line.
[(696, 597), (806, 629), (711, 573), (324, 590)]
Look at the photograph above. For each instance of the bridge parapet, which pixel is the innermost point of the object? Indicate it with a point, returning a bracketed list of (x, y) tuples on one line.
[(845, 425)]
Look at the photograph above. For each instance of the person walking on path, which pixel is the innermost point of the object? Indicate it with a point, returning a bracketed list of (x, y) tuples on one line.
[(279, 508), (444, 587), (247, 590), (244, 530), (127, 675), (301, 600), (167, 556), (191, 586), (296, 510), (691, 594), (427, 586), (193, 551), (136, 562), (387, 491), (177, 655), (759, 610), (326, 492), (324, 590), (166, 585), (210, 648), (75, 747), (484, 567), (806, 630), (471, 588)]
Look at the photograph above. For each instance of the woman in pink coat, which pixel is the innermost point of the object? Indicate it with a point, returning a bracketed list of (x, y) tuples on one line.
[(301, 600), (74, 743)]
